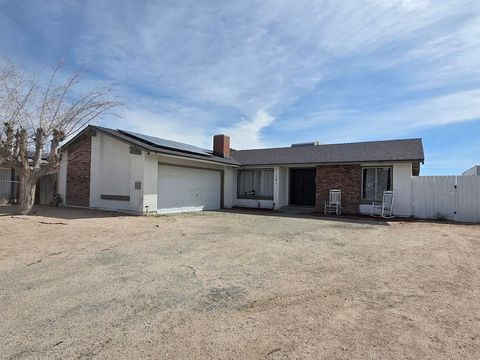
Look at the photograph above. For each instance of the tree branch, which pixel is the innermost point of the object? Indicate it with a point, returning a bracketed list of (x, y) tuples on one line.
[(35, 115)]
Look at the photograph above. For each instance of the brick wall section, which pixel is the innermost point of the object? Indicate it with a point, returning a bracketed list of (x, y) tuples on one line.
[(347, 178), (78, 171)]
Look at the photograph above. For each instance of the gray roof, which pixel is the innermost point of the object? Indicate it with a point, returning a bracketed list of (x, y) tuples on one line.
[(360, 152), (158, 145), (31, 155)]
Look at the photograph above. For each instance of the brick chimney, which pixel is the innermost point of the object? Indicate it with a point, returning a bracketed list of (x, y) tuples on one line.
[(221, 145)]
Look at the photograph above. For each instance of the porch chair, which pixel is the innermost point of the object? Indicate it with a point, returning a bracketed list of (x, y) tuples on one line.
[(385, 208), (333, 205)]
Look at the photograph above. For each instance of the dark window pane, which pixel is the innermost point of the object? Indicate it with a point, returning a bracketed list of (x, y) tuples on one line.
[(375, 182), (245, 182), (369, 184), (383, 182)]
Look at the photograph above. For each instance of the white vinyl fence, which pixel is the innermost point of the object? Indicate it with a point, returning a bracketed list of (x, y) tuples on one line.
[(446, 197)]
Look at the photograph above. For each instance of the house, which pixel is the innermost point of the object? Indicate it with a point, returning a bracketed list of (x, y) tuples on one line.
[(474, 171), (120, 170)]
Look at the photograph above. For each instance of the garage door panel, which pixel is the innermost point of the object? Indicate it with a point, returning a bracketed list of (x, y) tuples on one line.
[(187, 189)]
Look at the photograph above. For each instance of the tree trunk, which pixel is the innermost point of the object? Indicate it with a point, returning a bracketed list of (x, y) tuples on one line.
[(28, 185)]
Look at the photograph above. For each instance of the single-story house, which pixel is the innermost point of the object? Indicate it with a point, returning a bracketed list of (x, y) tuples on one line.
[(473, 171), (121, 170)]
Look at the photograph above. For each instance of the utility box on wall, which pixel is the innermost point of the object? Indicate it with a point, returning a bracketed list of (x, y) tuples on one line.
[(138, 185)]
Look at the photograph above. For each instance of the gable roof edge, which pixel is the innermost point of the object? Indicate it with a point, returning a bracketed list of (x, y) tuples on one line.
[(134, 142)]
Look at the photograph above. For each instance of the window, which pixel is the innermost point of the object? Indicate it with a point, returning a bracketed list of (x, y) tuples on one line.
[(255, 184), (375, 181)]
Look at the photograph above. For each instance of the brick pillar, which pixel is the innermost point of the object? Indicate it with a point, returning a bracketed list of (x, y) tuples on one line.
[(347, 178), (78, 171)]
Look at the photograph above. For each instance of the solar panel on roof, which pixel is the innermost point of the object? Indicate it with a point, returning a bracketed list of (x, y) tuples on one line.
[(164, 143)]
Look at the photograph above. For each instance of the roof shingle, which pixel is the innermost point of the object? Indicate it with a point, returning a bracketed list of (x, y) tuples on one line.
[(372, 151), (360, 152)]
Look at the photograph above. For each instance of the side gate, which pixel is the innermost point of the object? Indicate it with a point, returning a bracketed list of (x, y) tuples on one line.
[(446, 197)]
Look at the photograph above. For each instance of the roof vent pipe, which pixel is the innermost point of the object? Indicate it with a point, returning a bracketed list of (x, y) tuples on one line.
[(313, 143)]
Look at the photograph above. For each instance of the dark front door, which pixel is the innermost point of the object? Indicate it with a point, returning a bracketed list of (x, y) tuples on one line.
[(302, 187)]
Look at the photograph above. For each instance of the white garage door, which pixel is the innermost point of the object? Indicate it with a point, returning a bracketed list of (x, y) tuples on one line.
[(186, 189)]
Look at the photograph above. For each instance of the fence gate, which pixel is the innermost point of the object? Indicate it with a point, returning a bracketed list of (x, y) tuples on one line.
[(468, 198), (446, 197)]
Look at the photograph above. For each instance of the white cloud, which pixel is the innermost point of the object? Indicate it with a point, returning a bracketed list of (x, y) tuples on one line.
[(255, 58), (448, 59), (160, 125), (228, 55), (247, 133), (343, 125)]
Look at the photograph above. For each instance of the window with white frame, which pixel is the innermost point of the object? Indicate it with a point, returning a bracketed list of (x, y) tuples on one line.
[(255, 184), (376, 180)]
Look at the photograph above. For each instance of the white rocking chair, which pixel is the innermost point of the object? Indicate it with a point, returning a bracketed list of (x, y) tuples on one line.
[(385, 208), (333, 205)]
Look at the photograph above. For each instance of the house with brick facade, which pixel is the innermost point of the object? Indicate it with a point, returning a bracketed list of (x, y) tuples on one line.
[(120, 170)]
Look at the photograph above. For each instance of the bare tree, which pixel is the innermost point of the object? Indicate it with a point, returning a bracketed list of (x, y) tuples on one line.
[(36, 116)]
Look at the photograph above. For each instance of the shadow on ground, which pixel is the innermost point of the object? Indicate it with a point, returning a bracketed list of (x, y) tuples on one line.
[(308, 213), (69, 213), (65, 213)]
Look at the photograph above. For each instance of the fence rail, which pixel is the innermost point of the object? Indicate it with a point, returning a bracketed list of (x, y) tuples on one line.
[(446, 197)]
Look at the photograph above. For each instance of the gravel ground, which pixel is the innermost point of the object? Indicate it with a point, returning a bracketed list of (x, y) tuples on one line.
[(80, 284)]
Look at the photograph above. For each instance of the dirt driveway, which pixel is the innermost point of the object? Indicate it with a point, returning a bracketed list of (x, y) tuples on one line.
[(78, 284)]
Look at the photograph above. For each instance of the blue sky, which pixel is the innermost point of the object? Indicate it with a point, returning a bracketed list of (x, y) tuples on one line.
[(271, 73)]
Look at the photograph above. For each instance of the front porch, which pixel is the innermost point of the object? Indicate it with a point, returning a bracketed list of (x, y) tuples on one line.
[(308, 186), (277, 187)]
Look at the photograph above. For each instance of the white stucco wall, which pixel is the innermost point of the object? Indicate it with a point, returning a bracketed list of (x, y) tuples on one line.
[(283, 181), (114, 171), (175, 160), (137, 174), (402, 186), (150, 182), (251, 203), (280, 186), (110, 172), (230, 188)]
